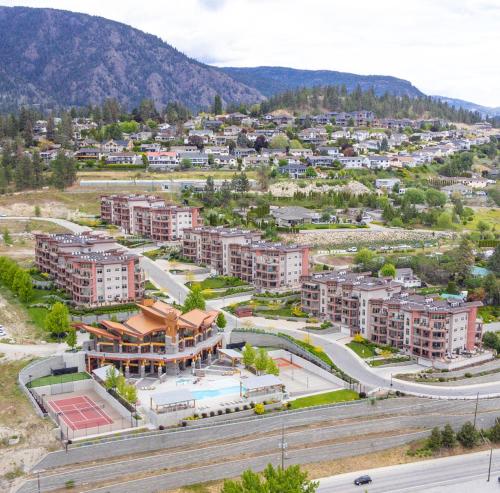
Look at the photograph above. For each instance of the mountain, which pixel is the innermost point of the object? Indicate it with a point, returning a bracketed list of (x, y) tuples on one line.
[(485, 111), (55, 57), (274, 80)]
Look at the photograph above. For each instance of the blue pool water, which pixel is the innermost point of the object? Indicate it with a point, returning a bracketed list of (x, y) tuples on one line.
[(208, 394)]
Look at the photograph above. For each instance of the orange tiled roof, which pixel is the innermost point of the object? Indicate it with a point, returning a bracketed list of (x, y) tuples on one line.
[(96, 331)]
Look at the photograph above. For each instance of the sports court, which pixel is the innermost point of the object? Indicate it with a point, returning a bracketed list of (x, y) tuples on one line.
[(80, 412), (298, 380)]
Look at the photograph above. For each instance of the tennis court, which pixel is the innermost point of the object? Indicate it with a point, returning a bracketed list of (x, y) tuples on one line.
[(297, 379), (80, 412)]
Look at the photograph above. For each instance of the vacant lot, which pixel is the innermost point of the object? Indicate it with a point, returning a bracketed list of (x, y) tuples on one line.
[(28, 226), (487, 215), (18, 419), (144, 175)]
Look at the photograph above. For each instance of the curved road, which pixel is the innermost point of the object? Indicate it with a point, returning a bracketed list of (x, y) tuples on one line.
[(343, 357)]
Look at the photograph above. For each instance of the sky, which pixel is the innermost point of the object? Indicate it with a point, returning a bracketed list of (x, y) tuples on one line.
[(444, 47)]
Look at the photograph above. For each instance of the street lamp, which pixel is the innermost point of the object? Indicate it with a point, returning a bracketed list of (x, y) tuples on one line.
[(391, 379)]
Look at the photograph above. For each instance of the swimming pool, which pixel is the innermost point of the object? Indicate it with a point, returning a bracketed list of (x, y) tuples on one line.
[(210, 393)]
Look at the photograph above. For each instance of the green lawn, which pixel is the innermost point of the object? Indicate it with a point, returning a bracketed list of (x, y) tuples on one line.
[(361, 350), (326, 398), (51, 380), (489, 313)]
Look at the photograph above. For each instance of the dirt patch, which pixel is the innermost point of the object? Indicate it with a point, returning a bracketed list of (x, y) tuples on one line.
[(335, 260), (18, 419), (16, 320)]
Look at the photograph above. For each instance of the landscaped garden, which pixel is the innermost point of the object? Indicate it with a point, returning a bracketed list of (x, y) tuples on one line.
[(285, 305), (368, 349), (220, 286)]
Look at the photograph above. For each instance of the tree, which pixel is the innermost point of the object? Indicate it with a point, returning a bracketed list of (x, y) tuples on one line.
[(263, 177), (217, 109), (494, 432), (273, 480), (463, 259), (37, 211), (494, 261), (482, 227), (448, 439), (130, 393), (71, 338), (57, 320), (7, 239), (384, 145), (279, 142), (23, 285), (452, 288), (194, 300), (311, 172), (435, 198), (221, 320), (468, 436), (261, 360), (63, 171), (388, 270), (111, 378), (435, 441), (249, 354), (272, 367), (364, 256), (444, 221), (414, 196)]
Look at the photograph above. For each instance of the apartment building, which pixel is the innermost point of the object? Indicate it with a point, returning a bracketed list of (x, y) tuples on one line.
[(424, 327), (381, 311), (343, 297), (148, 216), (90, 268), (241, 253), (210, 246)]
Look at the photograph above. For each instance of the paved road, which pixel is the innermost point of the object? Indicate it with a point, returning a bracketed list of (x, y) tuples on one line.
[(464, 473), (343, 357), (300, 435)]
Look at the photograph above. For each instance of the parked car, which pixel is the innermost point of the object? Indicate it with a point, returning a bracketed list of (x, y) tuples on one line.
[(352, 249), (363, 480)]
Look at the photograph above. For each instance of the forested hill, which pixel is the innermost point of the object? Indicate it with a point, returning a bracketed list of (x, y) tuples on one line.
[(335, 98), (274, 80), (55, 57)]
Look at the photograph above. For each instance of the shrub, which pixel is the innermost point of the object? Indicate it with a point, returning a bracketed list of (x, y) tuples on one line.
[(196, 415), (236, 409), (184, 424), (220, 412), (228, 410), (212, 414), (161, 427), (204, 415), (252, 404), (468, 436), (362, 395), (259, 409), (468, 375)]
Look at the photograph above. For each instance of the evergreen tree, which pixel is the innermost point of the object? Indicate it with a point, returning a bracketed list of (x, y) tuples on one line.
[(448, 439), (463, 259), (435, 441), (494, 261), (217, 109), (63, 171), (221, 320), (468, 436)]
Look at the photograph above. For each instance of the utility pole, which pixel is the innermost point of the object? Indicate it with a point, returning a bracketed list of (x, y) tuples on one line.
[(38, 480), (475, 411)]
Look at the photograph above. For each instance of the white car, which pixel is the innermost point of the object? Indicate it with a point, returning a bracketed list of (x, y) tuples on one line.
[(352, 249)]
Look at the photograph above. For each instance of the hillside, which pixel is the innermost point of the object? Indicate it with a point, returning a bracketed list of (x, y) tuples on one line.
[(56, 57), (274, 80), (485, 111)]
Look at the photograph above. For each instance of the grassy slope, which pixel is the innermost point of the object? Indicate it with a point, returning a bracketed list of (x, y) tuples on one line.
[(361, 350), (326, 398)]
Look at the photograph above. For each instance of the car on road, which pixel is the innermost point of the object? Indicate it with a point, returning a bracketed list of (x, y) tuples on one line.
[(365, 479), (352, 249)]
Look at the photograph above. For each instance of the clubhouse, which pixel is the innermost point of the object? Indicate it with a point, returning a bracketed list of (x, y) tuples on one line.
[(158, 340)]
